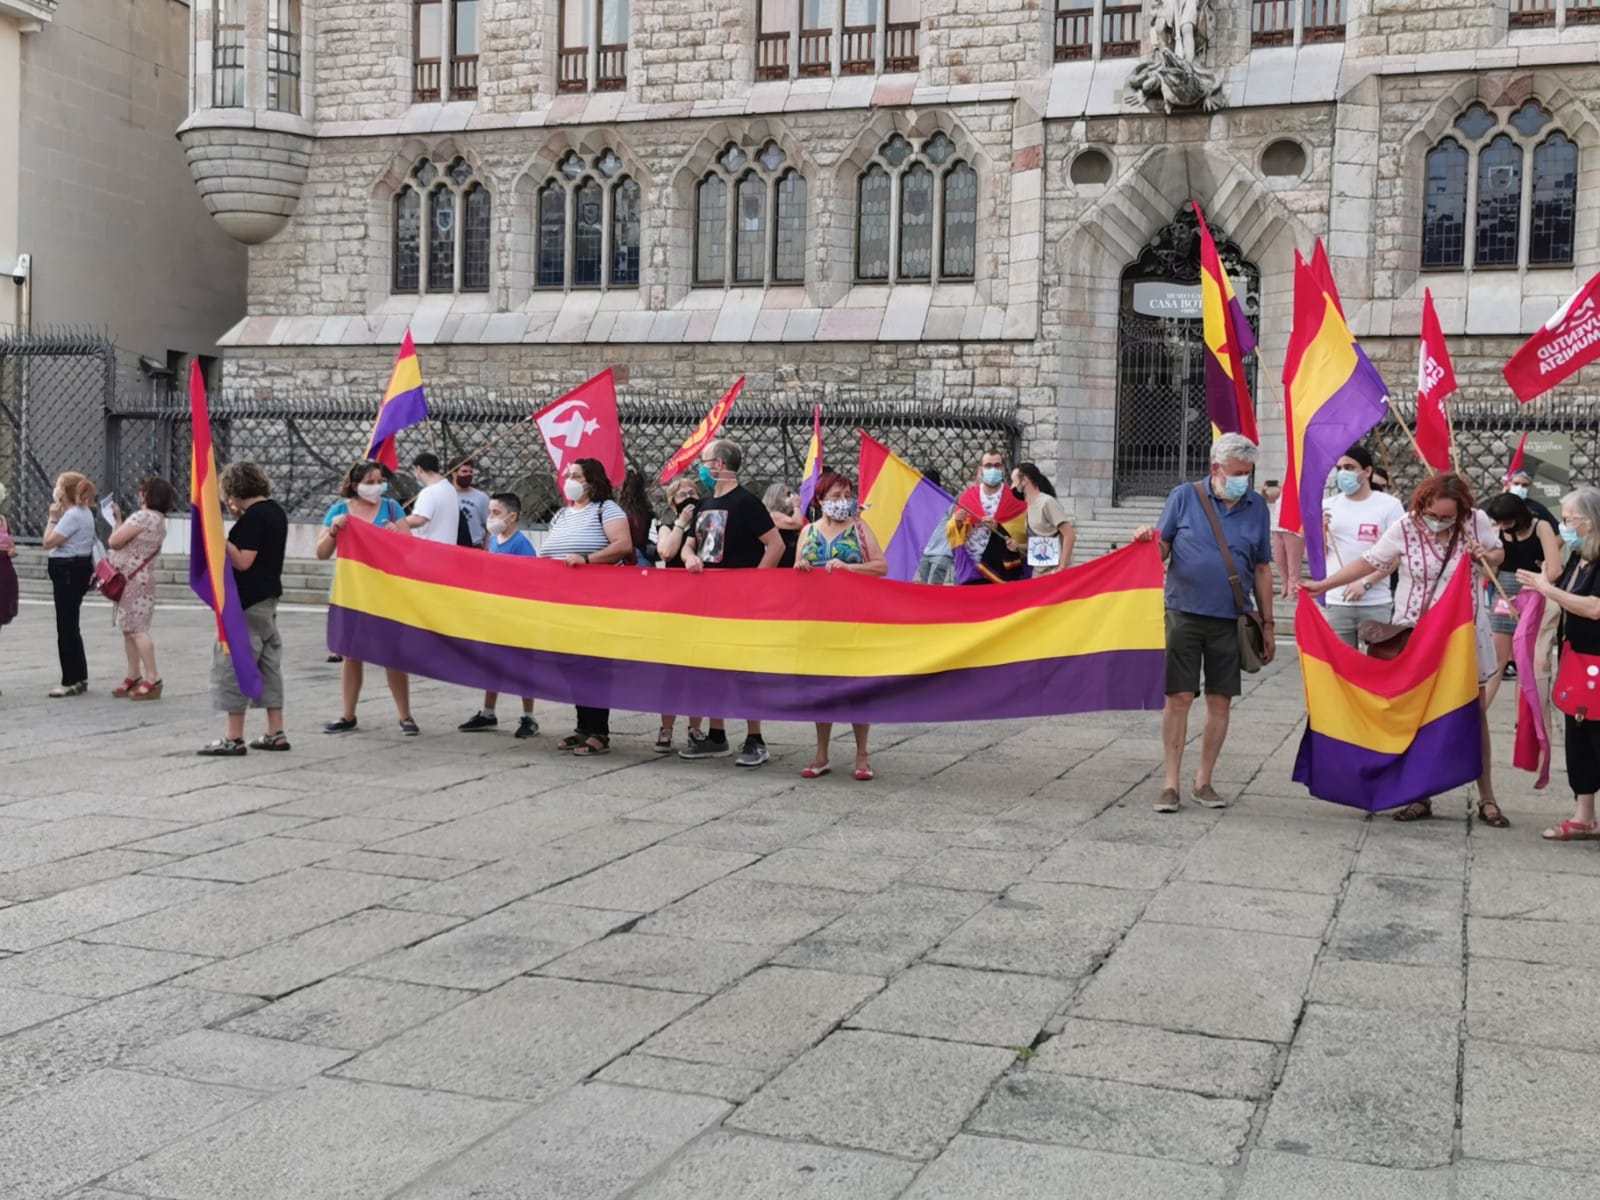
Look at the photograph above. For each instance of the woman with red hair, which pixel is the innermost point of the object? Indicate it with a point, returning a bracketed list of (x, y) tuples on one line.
[(1442, 531), (838, 540)]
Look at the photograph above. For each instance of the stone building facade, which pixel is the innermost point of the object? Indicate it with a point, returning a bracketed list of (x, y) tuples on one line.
[(944, 200), (93, 188)]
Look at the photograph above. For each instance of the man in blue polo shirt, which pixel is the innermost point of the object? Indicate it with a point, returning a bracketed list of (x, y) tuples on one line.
[(1202, 613)]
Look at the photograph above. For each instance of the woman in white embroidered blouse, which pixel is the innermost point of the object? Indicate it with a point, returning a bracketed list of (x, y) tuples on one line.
[(1441, 531)]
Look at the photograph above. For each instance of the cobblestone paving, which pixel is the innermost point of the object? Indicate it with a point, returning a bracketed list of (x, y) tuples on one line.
[(461, 965)]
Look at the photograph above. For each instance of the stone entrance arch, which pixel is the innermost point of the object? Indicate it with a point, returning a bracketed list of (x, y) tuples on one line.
[(1163, 435)]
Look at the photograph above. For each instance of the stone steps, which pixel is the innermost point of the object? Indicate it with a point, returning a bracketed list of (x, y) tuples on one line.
[(305, 581)]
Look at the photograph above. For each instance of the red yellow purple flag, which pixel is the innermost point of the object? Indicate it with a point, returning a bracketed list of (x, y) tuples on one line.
[(1380, 734), (1228, 339), (812, 472), (404, 405), (1332, 396), (210, 575)]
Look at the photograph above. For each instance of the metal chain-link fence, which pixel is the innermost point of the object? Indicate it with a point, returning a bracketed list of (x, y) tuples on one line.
[(55, 387), (1487, 434), (307, 441)]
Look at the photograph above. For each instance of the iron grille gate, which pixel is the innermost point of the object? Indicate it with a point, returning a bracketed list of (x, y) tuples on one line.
[(55, 388), (1163, 431), (307, 441)]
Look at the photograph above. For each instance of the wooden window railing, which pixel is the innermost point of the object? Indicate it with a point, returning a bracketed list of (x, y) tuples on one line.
[(612, 75), (1272, 23), (1525, 13), (900, 46), (856, 50), (816, 46), (574, 71), (1119, 32), (426, 80), (1074, 34), (464, 77), (1324, 21), (772, 56)]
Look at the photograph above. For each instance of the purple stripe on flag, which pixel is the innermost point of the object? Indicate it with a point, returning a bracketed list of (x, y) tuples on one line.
[(927, 509), (1446, 753), (1222, 401), (1244, 337), (235, 632), (1342, 421), (1117, 679), (199, 576), (399, 412)]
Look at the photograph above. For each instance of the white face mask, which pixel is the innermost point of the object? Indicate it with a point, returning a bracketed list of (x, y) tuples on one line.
[(371, 492), (574, 489), (496, 525)]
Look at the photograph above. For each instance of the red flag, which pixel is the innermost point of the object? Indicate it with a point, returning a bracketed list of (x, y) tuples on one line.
[(584, 424), (703, 432), (1322, 272), (1436, 379), (1516, 459), (1568, 341)]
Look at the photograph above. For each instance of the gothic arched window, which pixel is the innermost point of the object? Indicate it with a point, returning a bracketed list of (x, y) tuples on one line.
[(1479, 192), (442, 219), (587, 222), (917, 208), (750, 220)]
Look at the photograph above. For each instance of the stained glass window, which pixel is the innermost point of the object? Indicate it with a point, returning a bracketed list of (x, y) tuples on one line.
[(711, 234), (552, 267), (475, 240), (588, 228), (1499, 203), (625, 232), (960, 251), (407, 241), (1444, 211), (750, 241), (1555, 199), (788, 263), (872, 224), (916, 223)]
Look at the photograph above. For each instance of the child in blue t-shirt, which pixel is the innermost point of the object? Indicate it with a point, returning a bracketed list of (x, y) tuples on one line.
[(505, 510)]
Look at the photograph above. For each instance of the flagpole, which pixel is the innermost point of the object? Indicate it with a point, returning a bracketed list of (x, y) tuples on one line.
[(1416, 447), (1450, 427)]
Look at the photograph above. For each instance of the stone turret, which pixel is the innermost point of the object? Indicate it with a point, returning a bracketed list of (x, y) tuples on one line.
[(248, 137)]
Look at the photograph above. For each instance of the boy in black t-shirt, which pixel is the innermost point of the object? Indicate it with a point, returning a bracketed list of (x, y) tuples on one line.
[(732, 530), (255, 548)]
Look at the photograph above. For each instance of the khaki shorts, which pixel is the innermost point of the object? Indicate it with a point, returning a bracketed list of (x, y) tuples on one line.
[(261, 619)]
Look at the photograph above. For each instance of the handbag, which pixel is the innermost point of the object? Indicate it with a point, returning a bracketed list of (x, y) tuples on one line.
[(1577, 687), (1385, 640), (1252, 635), (110, 582)]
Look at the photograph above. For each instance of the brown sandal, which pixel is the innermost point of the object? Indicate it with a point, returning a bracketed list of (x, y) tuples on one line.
[(1497, 820), (1417, 810), (595, 743)]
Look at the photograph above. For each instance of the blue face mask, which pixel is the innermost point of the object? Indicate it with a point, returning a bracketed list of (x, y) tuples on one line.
[(1519, 490), (1235, 486), (993, 476), (1348, 482), (707, 479), (1569, 535)]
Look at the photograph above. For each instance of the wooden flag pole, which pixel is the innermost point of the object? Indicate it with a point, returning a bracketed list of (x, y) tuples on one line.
[(1450, 427), (1416, 447)]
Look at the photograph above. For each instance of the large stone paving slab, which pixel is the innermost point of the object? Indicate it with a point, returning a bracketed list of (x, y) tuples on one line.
[(987, 1007), (737, 910), (589, 1143), (79, 1132), (348, 1012), (84, 910), (1400, 919), (876, 1091), (1211, 1066), (237, 1060), (1098, 1114), (1534, 1003), (1275, 1176), (882, 934), (525, 1040), (735, 1166), (331, 1139), (1059, 929), (986, 1166), (1223, 982), (765, 1020), (1519, 1103), (96, 970), (1368, 1087)]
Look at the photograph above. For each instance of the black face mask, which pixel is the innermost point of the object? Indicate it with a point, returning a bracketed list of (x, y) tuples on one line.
[(683, 504), (1017, 492)]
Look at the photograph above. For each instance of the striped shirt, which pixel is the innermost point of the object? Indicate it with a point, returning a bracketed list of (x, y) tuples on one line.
[(581, 530)]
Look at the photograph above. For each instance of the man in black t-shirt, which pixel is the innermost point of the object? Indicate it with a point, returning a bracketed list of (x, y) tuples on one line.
[(255, 548), (732, 530)]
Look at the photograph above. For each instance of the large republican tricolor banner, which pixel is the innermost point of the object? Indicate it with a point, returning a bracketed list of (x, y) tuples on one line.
[(1566, 343), (767, 645)]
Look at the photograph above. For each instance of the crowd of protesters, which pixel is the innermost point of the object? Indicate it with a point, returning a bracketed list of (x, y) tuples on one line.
[(1219, 538)]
